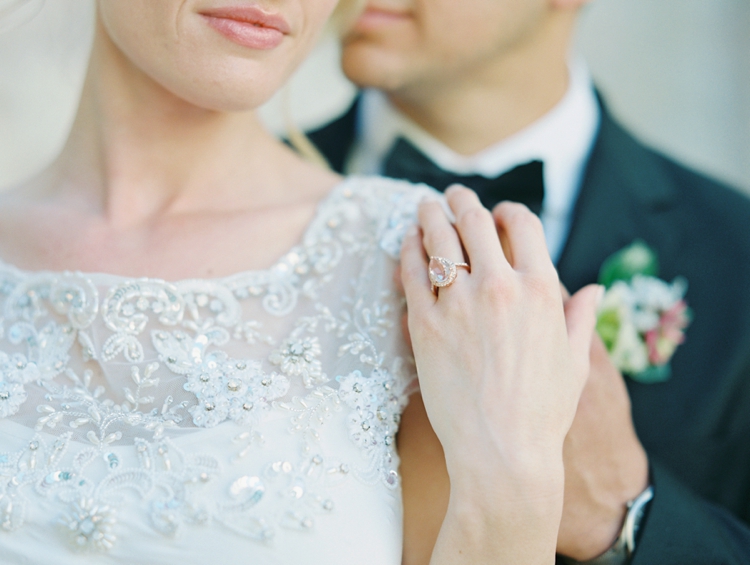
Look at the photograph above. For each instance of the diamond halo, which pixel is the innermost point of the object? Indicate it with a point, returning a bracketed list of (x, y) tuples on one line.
[(443, 272)]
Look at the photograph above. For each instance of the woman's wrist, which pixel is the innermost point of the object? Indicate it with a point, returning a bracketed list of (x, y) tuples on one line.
[(501, 520), (490, 465), (486, 491)]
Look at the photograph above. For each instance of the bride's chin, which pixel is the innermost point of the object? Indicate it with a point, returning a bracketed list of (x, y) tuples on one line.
[(220, 87), (226, 98)]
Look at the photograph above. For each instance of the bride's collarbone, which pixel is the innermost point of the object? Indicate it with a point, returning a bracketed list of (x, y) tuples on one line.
[(191, 246)]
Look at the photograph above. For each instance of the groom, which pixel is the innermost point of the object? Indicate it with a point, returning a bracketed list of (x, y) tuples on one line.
[(481, 92)]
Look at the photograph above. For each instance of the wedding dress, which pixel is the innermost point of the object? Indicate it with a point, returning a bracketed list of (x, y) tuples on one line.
[(248, 419)]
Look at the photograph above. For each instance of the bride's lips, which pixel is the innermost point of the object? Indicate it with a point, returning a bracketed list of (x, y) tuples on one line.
[(374, 18), (248, 26)]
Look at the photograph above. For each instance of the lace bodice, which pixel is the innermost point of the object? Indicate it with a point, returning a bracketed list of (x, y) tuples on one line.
[(250, 418)]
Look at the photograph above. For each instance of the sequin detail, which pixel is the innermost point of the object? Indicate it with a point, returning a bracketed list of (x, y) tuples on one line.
[(106, 377)]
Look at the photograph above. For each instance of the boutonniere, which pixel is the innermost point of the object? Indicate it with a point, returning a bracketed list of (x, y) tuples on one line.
[(641, 319)]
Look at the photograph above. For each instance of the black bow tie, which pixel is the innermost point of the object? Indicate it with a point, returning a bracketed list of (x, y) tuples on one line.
[(523, 184)]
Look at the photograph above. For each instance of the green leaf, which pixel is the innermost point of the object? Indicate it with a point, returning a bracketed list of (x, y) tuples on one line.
[(608, 327), (636, 259)]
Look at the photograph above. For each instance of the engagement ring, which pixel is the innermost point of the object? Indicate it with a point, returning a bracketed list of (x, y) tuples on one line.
[(443, 271)]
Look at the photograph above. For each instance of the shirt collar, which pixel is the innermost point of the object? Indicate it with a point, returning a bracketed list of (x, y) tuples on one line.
[(562, 139)]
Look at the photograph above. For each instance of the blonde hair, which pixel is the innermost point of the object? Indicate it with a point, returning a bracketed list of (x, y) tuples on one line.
[(344, 15)]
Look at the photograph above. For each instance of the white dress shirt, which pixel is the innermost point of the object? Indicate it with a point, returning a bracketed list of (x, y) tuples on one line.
[(562, 139)]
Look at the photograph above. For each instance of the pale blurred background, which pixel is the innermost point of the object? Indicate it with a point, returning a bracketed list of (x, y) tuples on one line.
[(677, 72)]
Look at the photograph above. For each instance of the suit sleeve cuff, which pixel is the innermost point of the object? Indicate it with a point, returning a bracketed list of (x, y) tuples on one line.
[(680, 527)]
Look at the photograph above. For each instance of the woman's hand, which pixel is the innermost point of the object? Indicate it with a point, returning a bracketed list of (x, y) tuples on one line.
[(500, 373)]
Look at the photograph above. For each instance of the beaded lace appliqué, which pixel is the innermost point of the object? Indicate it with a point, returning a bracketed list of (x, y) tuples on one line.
[(185, 330)]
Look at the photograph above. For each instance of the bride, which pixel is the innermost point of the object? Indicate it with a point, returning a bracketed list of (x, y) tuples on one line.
[(201, 350)]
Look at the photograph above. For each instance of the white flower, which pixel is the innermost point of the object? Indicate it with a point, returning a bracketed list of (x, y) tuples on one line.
[(618, 297), (12, 396), (17, 369), (374, 420), (651, 293), (206, 378), (89, 526), (244, 411), (235, 389), (264, 389), (629, 311), (630, 353), (210, 411), (644, 320), (269, 387), (299, 357)]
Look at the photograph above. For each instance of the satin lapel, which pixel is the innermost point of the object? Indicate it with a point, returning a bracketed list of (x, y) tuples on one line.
[(335, 139), (626, 194)]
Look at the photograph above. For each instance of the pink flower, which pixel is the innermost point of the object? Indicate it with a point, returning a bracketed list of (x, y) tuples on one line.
[(663, 340)]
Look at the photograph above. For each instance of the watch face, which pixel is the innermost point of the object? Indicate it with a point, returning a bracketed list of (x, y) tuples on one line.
[(636, 510)]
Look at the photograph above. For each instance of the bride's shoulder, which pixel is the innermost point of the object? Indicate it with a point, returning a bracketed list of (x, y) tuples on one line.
[(390, 204), (387, 189)]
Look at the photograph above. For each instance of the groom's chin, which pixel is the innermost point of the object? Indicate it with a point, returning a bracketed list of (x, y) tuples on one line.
[(390, 66)]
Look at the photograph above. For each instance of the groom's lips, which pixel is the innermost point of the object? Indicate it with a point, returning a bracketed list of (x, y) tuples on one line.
[(248, 26), (375, 18)]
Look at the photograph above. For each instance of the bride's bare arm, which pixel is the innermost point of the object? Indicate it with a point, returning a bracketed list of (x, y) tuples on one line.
[(500, 373), (424, 481)]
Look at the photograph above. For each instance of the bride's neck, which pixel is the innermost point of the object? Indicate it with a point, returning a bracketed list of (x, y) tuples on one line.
[(136, 150)]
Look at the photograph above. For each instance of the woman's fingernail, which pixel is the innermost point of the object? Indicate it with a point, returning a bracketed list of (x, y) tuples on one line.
[(412, 231)]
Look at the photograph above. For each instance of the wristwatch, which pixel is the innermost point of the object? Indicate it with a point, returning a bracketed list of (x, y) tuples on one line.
[(622, 550)]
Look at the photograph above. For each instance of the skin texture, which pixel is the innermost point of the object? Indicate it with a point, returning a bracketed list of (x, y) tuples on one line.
[(444, 64), (605, 464), (522, 399), (170, 42), (166, 153), (601, 455)]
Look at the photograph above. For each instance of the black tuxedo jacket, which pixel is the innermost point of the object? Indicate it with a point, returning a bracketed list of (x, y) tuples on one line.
[(696, 426)]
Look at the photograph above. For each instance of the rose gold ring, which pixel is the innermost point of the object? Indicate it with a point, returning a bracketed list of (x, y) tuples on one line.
[(443, 272)]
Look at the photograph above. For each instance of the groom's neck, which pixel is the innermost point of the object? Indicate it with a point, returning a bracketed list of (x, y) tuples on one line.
[(475, 107), (471, 115)]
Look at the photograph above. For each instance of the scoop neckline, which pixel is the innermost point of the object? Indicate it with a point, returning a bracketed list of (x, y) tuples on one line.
[(276, 267)]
